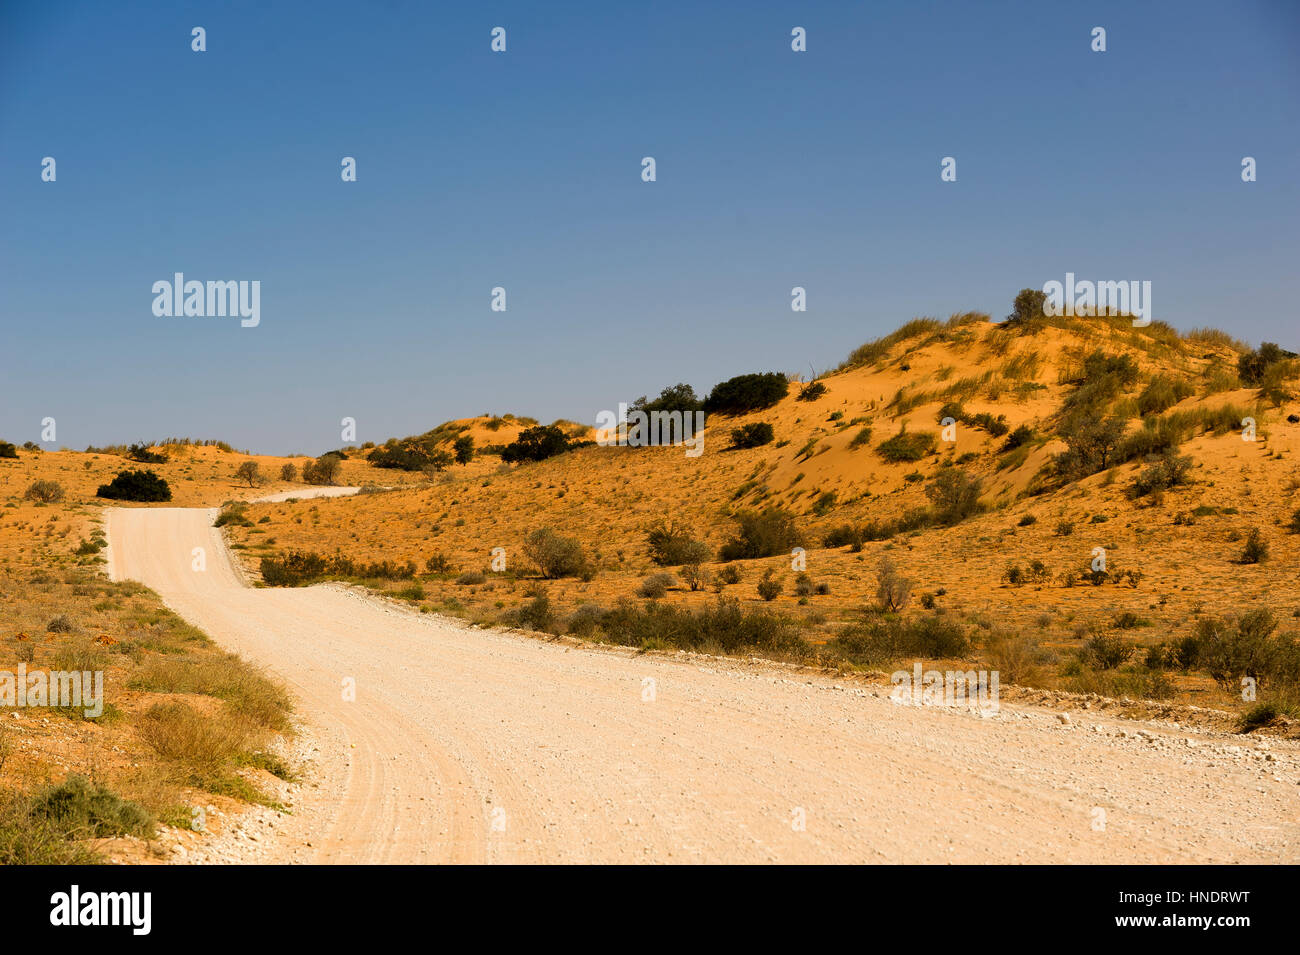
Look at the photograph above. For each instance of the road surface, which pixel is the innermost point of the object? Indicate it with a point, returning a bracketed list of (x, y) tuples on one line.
[(470, 746)]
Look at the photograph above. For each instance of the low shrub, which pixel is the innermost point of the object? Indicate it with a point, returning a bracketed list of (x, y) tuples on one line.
[(556, 555), (45, 492), (752, 435), (906, 446), (142, 486), (761, 534)]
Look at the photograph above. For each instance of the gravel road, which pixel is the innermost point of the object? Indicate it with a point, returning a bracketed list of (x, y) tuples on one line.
[(468, 745)]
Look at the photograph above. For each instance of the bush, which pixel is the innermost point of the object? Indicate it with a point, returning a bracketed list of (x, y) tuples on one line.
[(288, 473), (463, 449), (693, 575), (906, 447), (439, 564), (1256, 549), (472, 577), (878, 642), (301, 567), (1169, 471), (811, 391), (769, 588), (764, 534), (233, 513), (324, 470), (556, 555), (536, 444), (747, 393), (892, 589), (86, 810), (670, 545), (655, 586), (141, 453), (47, 492), (1018, 438), (7, 450), (729, 574), (1253, 365), (1161, 394), (61, 624), (135, 486), (955, 494), (250, 472), (1027, 311), (862, 437), (722, 627), (752, 435), (1238, 646), (1106, 651), (1027, 520), (1294, 526)]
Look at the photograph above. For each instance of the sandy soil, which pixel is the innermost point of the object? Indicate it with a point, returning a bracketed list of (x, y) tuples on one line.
[(468, 745)]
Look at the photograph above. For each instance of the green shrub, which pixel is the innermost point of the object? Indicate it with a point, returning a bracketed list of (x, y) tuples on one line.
[(769, 588), (655, 586), (747, 393), (556, 555), (723, 627), (324, 470), (906, 446), (46, 492), (761, 534), (1254, 365), (85, 810), (1256, 549), (141, 453), (752, 435), (135, 486), (1170, 470), (1161, 394), (302, 567), (536, 444), (1106, 651), (955, 494), (233, 513), (811, 391), (671, 545)]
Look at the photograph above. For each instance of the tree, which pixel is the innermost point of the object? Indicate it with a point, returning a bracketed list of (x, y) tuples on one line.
[(464, 449), (1253, 364), (1029, 307), (955, 494), (288, 473), (250, 472), (892, 589), (324, 470), (135, 486), (536, 444), (556, 555), (1090, 442), (747, 393)]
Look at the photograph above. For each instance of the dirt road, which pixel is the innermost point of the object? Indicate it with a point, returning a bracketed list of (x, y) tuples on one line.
[(465, 745)]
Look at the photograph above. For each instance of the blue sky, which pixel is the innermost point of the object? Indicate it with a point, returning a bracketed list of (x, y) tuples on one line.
[(522, 170)]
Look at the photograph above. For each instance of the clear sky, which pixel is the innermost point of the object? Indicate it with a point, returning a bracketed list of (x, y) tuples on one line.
[(522, 170)]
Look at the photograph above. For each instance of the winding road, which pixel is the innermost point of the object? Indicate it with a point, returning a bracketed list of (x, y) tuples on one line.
[(469, 745)]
